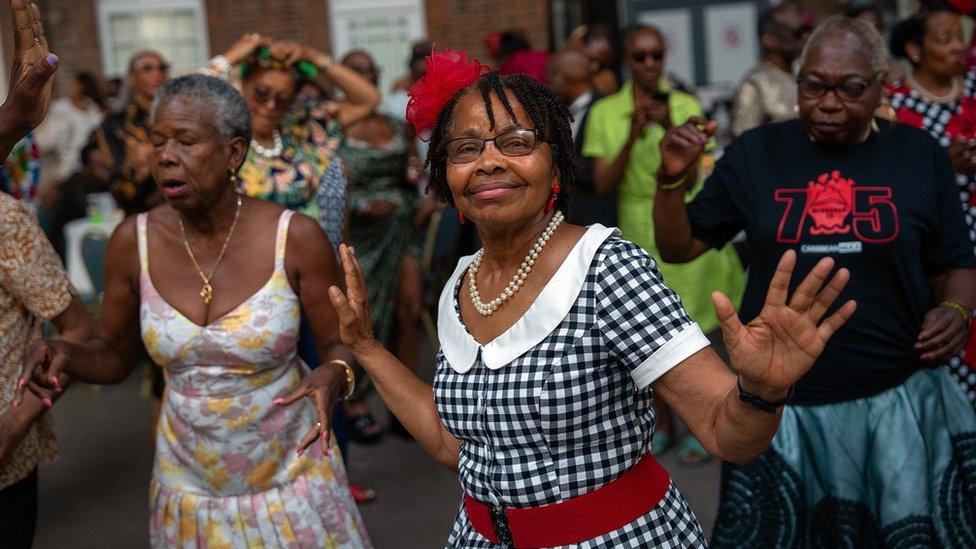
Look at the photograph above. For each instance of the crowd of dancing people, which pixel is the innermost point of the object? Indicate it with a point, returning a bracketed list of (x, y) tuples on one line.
[(790, 293)]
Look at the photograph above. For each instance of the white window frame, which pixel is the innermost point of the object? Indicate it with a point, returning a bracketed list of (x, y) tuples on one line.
[(107, 8), (341, 11)]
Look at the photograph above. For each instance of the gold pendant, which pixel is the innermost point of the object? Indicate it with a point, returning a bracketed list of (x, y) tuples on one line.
[(207, 293)]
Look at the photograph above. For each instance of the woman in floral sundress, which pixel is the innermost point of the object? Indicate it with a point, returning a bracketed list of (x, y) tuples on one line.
[(242, 459)]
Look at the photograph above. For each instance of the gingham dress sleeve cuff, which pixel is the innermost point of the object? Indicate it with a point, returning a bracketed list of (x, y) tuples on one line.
[(688, 341)]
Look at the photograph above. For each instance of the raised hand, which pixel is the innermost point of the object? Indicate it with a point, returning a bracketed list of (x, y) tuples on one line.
[(243, 48), (30, 78), (775, 349), (355, 322), (682, 145)]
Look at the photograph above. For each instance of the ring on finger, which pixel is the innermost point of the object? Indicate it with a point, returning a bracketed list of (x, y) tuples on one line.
[(318, 425)]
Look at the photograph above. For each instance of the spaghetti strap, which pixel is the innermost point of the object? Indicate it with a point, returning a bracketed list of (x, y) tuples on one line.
[(281, 240), (141, 222)]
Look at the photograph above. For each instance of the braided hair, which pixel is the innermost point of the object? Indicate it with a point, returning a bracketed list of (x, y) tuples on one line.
[(547, 112)]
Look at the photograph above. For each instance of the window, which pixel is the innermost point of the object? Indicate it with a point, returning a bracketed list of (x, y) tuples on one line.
[(175, 28), (385, 28)]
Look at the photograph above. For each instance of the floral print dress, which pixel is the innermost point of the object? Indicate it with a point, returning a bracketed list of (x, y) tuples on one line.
[(226, 473)]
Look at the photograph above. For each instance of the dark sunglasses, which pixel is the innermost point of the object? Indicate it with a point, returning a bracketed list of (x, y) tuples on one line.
[(512, 143), (641, 56), (263, 96), (850, 89)]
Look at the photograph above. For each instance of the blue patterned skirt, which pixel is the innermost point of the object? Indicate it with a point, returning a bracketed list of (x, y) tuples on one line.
[(897, 469)]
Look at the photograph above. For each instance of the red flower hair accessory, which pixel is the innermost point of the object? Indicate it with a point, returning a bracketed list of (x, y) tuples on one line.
[(447, 72)]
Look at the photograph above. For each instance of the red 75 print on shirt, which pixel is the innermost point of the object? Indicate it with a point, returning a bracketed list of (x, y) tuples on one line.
[(835, 205)]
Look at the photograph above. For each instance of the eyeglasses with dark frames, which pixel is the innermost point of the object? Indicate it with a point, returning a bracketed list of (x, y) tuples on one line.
[(849, 89), (521, 142)]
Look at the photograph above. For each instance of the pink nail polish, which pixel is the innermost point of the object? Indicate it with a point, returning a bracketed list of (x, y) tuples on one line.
[(16, 403), (300, 452), (47, 402), (278, 400), (20, 384), (54, 380)]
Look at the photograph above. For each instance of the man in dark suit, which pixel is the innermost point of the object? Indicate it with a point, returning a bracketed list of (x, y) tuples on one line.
[(569, 76)]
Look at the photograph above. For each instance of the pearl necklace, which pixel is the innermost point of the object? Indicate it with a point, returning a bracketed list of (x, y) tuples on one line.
[(273, 152), (486, 309)]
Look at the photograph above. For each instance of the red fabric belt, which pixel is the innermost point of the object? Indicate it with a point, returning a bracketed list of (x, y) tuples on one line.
[(578, 519)]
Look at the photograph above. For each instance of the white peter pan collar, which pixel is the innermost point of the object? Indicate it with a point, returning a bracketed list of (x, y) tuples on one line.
[(543, 316)]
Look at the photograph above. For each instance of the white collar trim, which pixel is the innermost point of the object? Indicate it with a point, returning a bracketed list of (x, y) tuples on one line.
[(543, 316)]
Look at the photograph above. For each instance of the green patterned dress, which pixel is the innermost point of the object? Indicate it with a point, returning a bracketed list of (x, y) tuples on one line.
[(378, 173)]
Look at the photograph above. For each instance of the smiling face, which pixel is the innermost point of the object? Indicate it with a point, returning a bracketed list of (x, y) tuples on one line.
[(494, 189), (836, 118), (191, 163)]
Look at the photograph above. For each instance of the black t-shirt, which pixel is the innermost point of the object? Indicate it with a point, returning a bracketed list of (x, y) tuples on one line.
[(886, 209)]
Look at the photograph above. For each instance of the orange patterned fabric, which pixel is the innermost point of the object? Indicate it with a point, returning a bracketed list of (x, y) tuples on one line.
[(33, 289)]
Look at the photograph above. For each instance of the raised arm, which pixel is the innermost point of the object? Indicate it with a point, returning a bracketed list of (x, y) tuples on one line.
[(768, 356), (408, 397), (30, 77), (681, 150)]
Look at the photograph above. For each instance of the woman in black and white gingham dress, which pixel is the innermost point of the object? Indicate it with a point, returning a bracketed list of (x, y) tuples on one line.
[(542, 397), (558, 406)]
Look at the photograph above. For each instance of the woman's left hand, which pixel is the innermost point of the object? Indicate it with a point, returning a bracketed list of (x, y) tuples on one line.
[(325, 385), (943, 334), (775, 349)]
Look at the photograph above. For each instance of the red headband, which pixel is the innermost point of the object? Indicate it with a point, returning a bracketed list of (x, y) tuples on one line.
[(447, 72)]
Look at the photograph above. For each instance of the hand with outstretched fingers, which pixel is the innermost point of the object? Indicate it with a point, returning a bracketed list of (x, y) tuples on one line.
[(776, 348), (355, 326), (33, 66)]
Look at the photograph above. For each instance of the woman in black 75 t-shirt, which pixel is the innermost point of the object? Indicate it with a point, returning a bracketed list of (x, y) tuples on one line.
[(877, 447)]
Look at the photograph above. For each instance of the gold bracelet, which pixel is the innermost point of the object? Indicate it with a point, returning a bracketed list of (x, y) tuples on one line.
[(350, 376), (671, 186), (966, 317)]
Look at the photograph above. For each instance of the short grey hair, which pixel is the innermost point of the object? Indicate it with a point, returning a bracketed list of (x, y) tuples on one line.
[(230, 114), (874, 49)]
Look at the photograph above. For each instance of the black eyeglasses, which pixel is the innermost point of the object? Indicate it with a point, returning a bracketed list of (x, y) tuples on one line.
[(850, 89), (641, 56), (512, 143)]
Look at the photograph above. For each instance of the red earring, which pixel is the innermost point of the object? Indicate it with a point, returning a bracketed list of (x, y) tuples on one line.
[(460, 218), (552, 199)]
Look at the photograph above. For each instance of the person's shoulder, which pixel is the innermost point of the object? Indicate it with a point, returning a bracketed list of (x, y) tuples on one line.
[(617, 254), (908, 136), (784, 132), (12, 210)]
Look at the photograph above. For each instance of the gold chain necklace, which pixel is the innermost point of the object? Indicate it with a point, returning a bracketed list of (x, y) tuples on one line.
[(207, 291)]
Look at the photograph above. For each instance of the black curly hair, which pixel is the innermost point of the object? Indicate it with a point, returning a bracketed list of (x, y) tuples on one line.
[(548, 114)]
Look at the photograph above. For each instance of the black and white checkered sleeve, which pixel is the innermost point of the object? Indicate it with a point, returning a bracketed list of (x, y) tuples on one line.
[(642, 321)]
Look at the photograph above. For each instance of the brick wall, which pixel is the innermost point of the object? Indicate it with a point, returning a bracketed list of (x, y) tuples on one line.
[(464, 24), (304, 21), (72, 26)]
